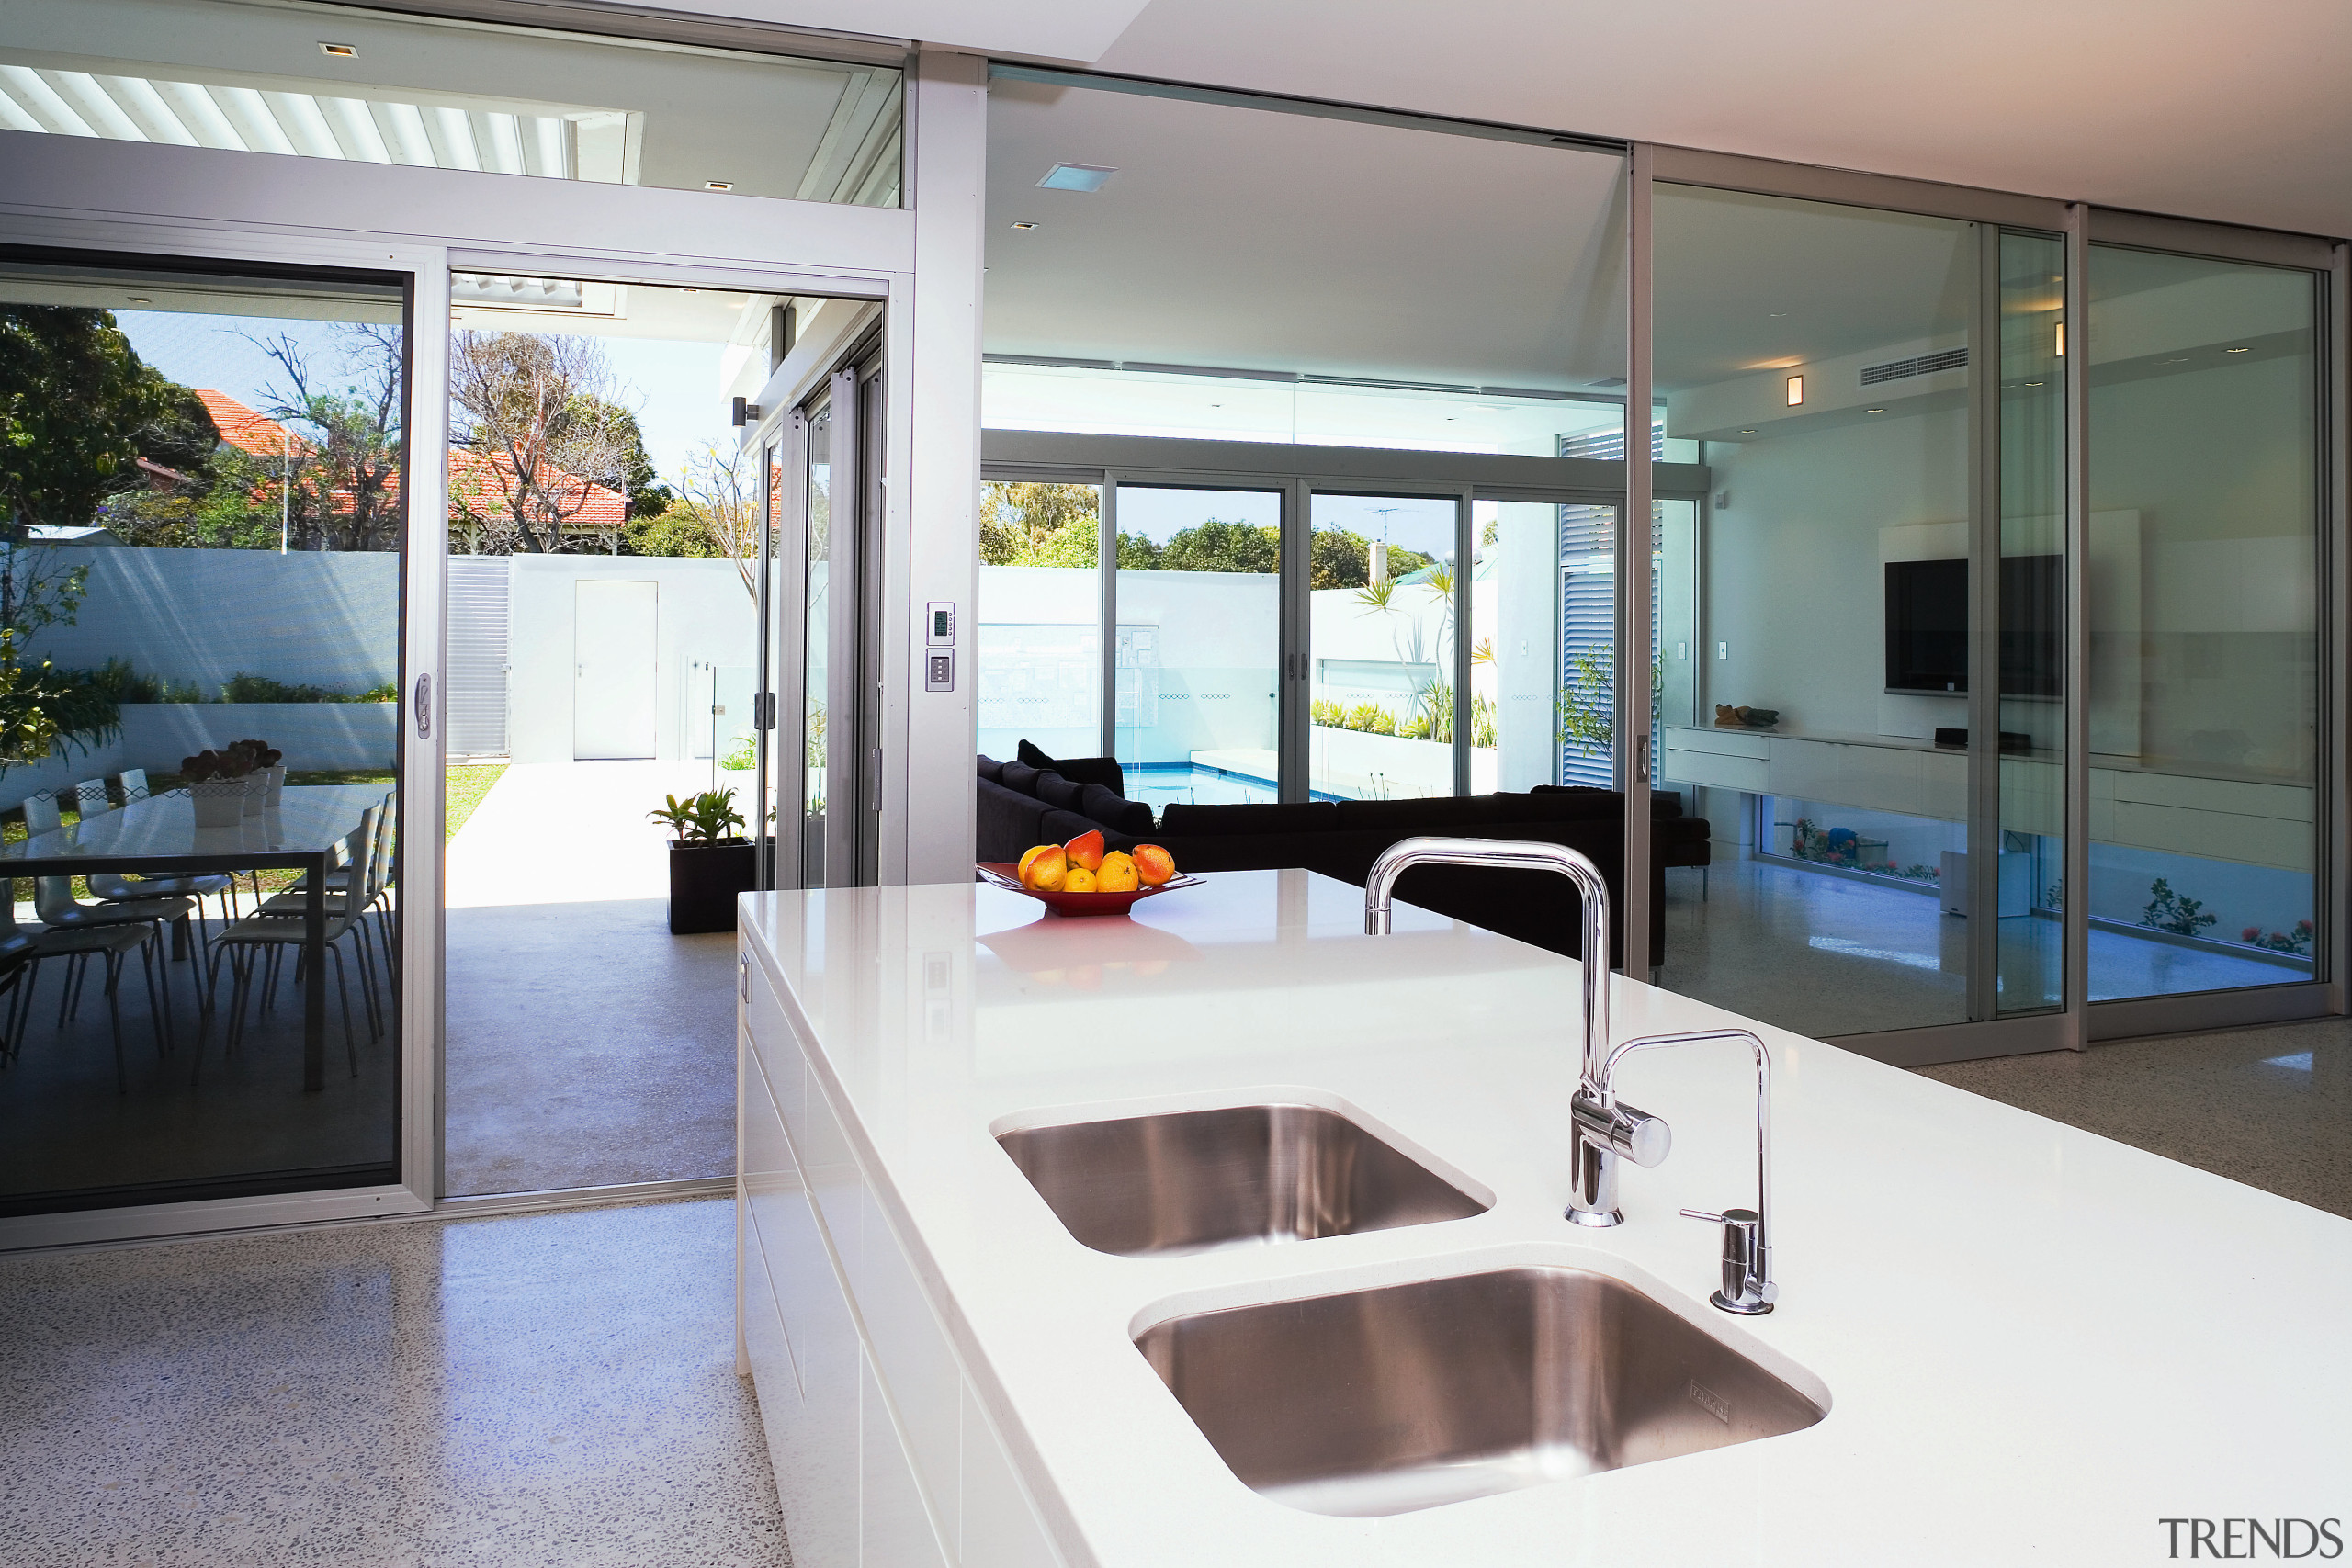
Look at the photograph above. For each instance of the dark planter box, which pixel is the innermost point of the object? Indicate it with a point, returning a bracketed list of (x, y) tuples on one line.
[(703, 879)]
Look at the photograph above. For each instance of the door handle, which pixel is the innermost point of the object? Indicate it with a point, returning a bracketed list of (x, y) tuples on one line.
[(424, 706)]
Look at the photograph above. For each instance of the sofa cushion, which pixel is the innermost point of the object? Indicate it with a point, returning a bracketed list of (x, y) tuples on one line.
[(1114, 811), (991, 770), (1057, 791), (1103, 771), (1006, 822), (1018, 777), (1286, 816), (1432, 813)]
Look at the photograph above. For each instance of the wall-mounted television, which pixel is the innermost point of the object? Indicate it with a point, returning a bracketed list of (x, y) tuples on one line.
[(1927, 625)]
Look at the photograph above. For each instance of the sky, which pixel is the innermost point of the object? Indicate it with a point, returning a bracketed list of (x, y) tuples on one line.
[(672, 388)]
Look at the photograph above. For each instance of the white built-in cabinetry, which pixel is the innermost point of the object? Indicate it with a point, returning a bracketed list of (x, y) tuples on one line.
[(883, 1455)]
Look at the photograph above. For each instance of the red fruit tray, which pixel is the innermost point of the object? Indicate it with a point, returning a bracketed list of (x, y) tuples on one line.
[(1004, 874)]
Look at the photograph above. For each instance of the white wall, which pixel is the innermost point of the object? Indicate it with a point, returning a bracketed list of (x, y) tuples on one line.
[(314, 618), (157, 735), (703, 616)]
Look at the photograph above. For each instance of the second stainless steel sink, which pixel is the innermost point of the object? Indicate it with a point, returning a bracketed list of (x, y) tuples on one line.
[(1246, 1176), (1401, 1397)]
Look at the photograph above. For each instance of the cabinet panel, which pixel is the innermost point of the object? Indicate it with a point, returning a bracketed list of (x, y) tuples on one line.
[(914, 1357), (816, 1458), (773, 1378), (833, 1181), (770, 1181), (894, 1531), (998, 1529)]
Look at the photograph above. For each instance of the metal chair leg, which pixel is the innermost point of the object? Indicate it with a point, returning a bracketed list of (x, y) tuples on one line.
[(114, 1017), (350, 1044), (156, 1017)]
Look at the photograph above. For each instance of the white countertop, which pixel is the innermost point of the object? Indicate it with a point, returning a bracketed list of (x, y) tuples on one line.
[(2035, 1342)]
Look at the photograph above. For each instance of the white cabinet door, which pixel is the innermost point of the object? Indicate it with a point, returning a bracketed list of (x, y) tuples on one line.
[(896, 1530), (613, 660)]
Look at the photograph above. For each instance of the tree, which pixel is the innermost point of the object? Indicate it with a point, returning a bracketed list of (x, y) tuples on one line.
[(638, 479), (719, 495), (342, 476), (540, 410), (1219, 545), (1023, 523), (1338, 559), (676, 531)]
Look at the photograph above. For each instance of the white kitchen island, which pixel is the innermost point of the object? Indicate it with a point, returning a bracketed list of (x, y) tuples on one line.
[(2033, 1344)]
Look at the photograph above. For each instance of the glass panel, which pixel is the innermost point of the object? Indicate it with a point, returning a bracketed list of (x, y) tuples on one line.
[(1381, 648), (816, 644), (1199, 643), (203, 522), (627, 565), (1821, 354), (456, 95), (1542, 645), (1041, 619), (2204, 650), (2030, 967)]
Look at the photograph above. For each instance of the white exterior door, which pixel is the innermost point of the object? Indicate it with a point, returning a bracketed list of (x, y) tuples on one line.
[(613, 670)]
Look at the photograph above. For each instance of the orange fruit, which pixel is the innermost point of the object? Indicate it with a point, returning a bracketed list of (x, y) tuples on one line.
[(1044, 868), (1086, 850), (1154, 865), (1078, 879), (1116, 874)]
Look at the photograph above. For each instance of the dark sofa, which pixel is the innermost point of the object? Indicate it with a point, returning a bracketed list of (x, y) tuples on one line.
[(1020, 806)]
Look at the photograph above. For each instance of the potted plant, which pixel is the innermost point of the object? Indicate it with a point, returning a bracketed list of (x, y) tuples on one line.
[(217, 785), (711, 862), (270, 772)]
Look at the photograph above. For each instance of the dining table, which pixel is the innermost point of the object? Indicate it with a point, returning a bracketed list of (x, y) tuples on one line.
[(308, 830)]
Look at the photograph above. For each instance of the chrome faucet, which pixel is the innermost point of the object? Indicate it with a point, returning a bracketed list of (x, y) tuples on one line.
[(1747, 1285), (1606, 1128)]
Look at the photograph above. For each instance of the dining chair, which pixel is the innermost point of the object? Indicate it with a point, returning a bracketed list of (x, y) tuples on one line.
[(132, 782), (77, 944), (92, 800), (256, 945), (360, 887)]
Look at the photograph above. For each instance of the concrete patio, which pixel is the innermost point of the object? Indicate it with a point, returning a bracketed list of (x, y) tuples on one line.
[(587, 1046)]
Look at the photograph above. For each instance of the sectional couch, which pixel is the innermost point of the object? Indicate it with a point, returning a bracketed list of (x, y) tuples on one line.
[(1020, 806)]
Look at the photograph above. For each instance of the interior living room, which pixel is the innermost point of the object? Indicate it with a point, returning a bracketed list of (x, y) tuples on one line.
[(1126, 784)]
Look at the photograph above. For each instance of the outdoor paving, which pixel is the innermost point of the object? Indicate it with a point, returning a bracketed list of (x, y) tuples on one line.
[(587, 1046)]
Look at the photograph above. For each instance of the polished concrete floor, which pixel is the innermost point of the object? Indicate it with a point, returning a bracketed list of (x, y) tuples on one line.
[(2271, 1107), (1826, 955), (587, 1046), (512, 1393)]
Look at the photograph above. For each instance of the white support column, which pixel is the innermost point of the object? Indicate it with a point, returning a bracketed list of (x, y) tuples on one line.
[(940, 478)]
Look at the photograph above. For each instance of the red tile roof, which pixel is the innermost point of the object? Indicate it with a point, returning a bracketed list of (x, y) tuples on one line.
[(484, 481)]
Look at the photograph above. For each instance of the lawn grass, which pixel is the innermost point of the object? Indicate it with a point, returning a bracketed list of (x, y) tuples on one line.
[(467, 783)]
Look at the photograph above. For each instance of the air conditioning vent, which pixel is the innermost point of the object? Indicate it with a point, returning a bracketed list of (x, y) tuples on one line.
[(1924, 364)]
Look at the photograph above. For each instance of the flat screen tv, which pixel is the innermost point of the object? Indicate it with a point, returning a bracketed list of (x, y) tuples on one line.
[(1927, 625)]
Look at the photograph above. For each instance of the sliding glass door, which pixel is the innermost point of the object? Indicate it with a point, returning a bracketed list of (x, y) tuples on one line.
[(1196, 659), (1382, 587)]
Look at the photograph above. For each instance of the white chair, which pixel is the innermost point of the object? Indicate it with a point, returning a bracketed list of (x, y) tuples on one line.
[(256, 944), (92, 800), (75, 940), (132, 782), (352, 891)]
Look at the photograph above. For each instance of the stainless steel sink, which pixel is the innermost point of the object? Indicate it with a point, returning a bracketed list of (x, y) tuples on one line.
[(1250, 1176), (1408, 1396)]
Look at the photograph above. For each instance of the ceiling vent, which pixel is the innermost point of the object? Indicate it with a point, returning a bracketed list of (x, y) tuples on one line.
[(1924, 364)]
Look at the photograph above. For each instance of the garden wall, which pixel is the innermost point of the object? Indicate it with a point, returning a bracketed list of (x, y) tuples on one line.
[(312, 618), (155, 736)]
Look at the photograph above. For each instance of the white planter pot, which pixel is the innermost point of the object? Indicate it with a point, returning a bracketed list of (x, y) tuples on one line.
[(256, 792), (220, 803), (276, 787)]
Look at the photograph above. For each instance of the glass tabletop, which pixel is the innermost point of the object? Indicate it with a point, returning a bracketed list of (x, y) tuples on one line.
[(309, 819)]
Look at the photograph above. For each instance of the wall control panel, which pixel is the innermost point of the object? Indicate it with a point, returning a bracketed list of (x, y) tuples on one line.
[(939, 624), (939, 671)]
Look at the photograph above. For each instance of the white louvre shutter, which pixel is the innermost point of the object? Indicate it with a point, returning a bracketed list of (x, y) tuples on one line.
[(474, 696)]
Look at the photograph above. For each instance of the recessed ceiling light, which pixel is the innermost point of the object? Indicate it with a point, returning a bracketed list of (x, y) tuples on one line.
[(1075, 176), (2033, 383), (1747, 432), (718, 185), (1024, 224), (339, 50), (140, 300), (2234, 350), (1779, 315), (1797, 390), (1873, 410)]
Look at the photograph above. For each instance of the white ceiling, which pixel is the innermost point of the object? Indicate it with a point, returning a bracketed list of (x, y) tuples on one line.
[(2234, 110)]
